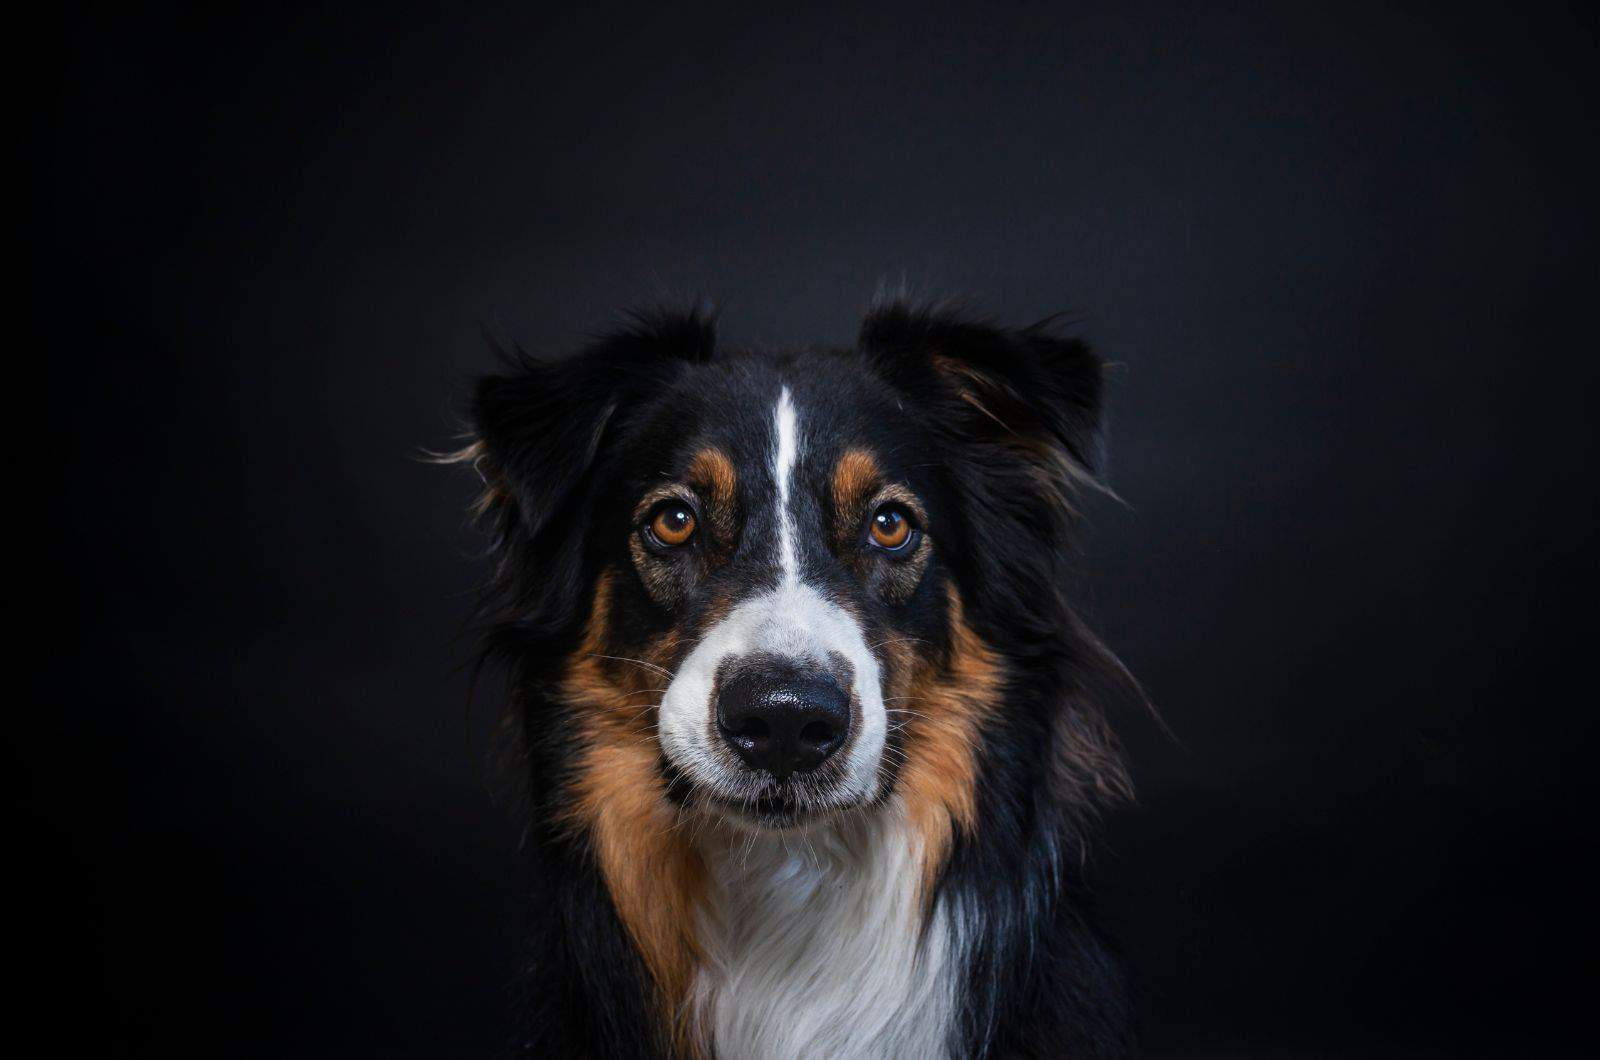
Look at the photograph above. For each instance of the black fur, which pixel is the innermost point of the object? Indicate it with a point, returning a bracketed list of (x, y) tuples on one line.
[(997, 427)]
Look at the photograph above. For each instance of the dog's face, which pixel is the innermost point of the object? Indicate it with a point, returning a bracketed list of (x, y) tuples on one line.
[(779, 578), (782, 530)]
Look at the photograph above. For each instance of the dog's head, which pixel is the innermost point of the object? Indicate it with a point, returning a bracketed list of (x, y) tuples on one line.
[(783, 586)]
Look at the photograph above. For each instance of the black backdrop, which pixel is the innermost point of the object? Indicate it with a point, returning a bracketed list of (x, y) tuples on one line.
[(1343, 258)]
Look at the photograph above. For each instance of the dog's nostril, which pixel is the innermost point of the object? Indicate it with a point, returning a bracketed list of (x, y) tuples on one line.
[(750, 726), (782, 720), (817, 733)]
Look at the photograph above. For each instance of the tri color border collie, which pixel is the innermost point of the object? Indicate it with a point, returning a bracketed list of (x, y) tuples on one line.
[(808, 728)]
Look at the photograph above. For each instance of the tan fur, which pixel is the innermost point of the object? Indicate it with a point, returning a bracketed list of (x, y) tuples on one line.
[(711, 472), (940, 776), (712, 476), (855, 478), (655, 877)]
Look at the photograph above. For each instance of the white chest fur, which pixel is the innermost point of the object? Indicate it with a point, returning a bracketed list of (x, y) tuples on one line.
[(816, 945)]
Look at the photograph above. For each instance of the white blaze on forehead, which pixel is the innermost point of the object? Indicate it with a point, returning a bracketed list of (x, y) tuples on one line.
[(793, 621), (785, 453)]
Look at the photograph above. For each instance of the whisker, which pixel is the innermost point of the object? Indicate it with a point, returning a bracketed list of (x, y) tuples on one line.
[(899, 637), (662, 670)]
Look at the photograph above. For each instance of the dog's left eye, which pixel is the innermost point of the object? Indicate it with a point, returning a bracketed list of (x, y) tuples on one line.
[(672, 525), (891, 528)]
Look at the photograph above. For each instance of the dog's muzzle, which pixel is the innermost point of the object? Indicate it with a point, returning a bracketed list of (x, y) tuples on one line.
[(781, 698)]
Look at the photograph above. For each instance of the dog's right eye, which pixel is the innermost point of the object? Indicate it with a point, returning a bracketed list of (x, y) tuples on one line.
[(672, 525), (891, 528)]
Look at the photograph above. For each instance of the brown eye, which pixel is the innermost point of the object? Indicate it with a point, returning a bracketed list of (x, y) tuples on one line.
[(673, 525), (891, 529)]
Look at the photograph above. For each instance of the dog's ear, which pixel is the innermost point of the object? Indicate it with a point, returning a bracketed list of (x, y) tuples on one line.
[(539, 424), (1017, 411), (1030, 390)]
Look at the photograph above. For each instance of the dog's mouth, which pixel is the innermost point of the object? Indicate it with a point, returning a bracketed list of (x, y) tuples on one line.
[(764, 811), (777, 806), (753, 801)]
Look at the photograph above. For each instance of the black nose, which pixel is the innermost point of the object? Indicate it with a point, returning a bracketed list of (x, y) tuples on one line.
[(782, 719)]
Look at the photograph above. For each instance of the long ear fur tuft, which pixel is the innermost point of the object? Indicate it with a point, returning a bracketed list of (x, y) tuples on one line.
[(1029, 387)]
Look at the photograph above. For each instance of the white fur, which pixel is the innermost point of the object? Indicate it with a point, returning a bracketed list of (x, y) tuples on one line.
[(785, 453), (815, 945)]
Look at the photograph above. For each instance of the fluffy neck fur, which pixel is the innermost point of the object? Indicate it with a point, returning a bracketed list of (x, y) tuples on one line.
[(819, 944)]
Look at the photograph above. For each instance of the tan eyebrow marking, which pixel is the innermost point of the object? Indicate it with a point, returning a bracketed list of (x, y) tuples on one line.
[(712, 475), (711, 471), (854, 477)]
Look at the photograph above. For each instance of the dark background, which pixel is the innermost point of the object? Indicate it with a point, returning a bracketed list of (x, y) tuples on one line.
[(1343, 257)]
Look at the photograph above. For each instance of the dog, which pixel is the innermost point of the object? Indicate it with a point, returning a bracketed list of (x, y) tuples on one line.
[(812, 741)]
